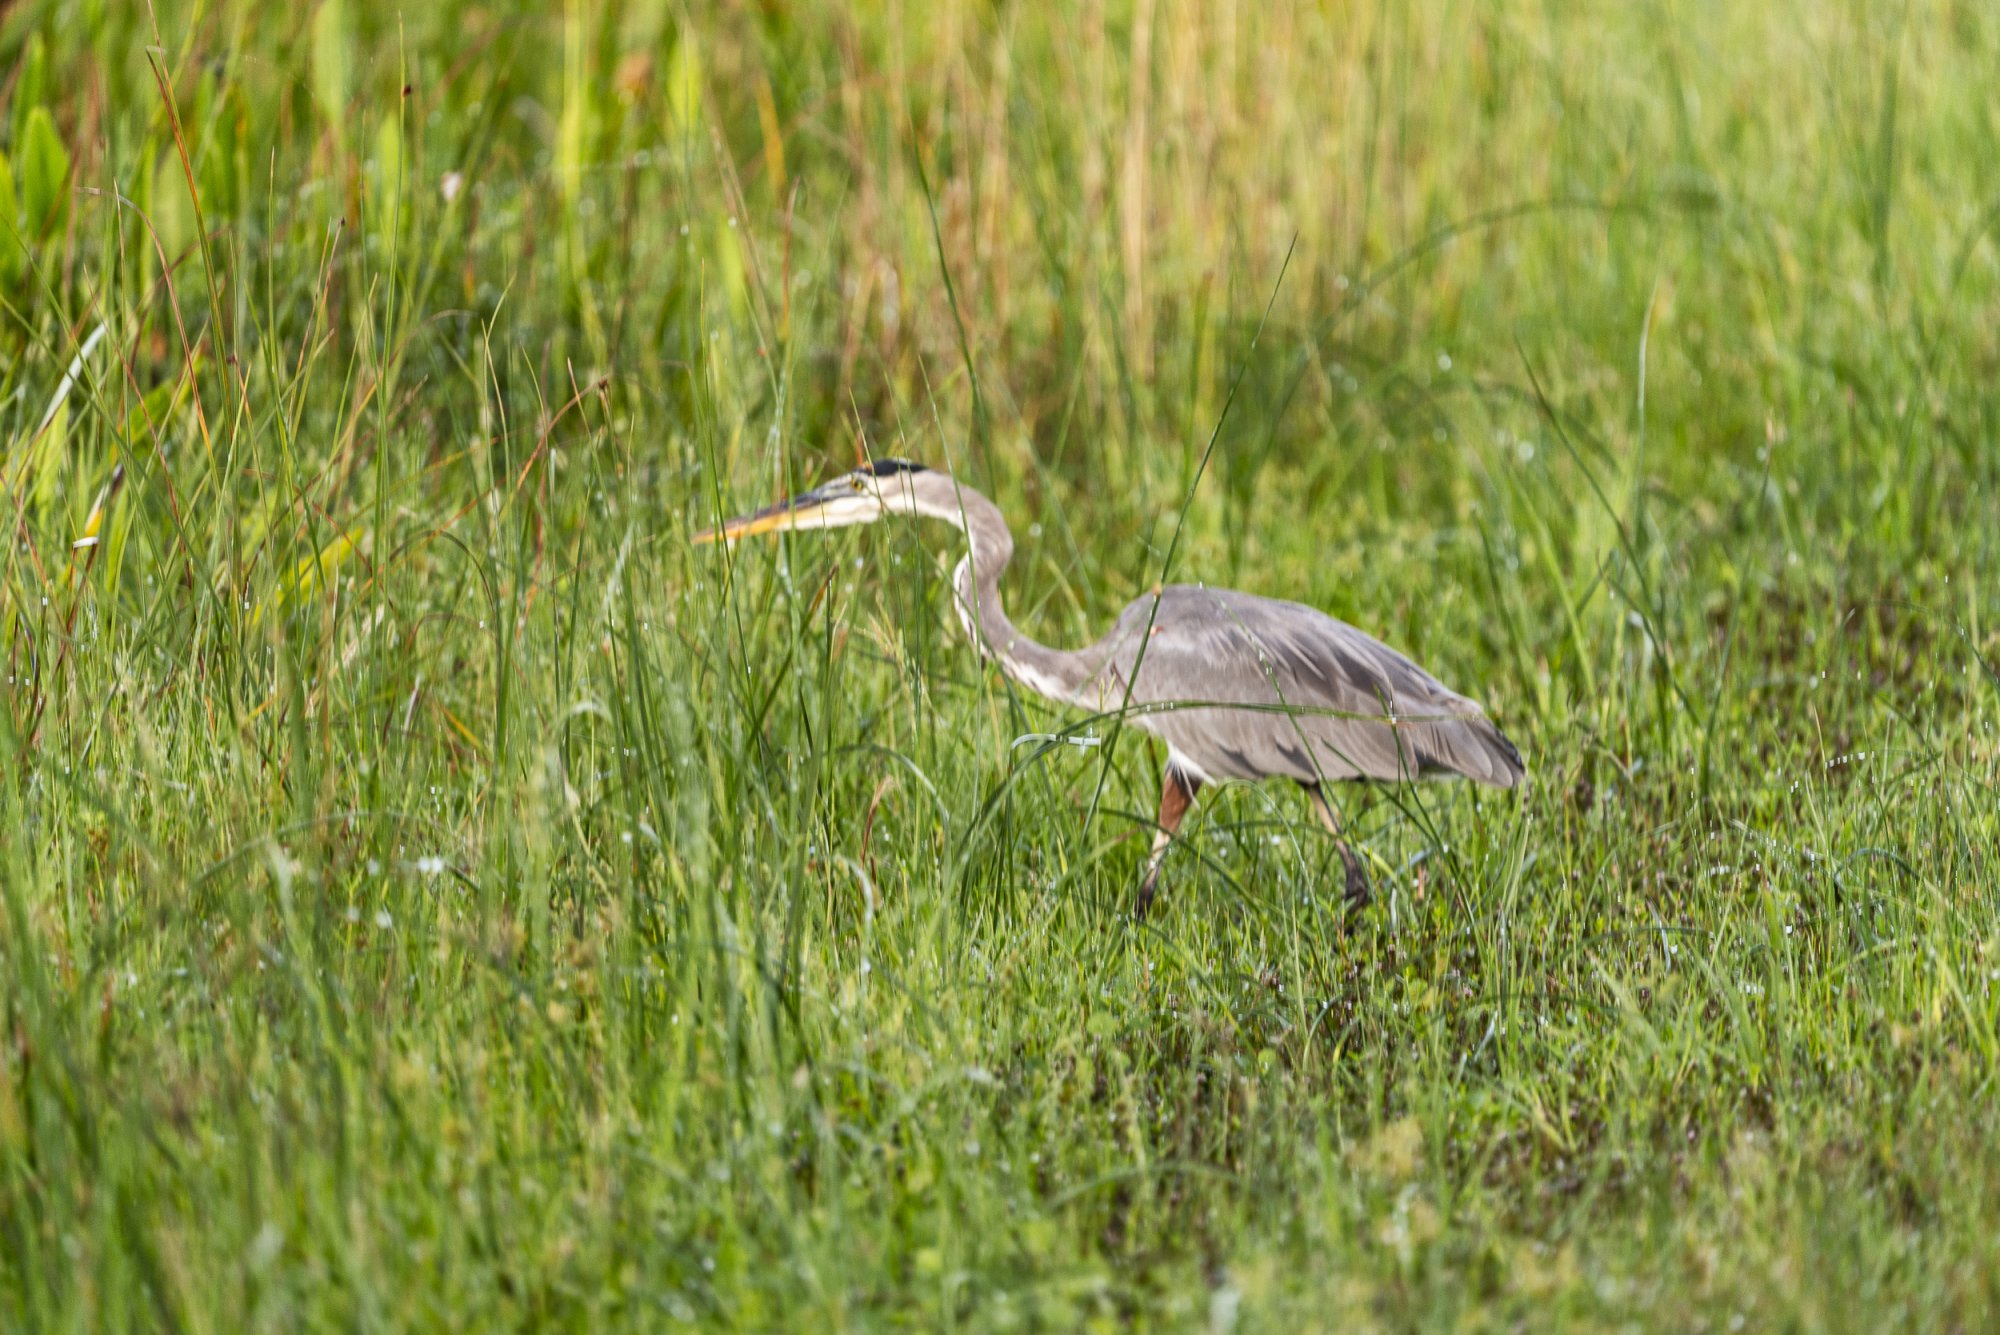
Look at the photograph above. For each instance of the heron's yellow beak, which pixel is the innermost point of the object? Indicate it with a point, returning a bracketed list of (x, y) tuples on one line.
[(835, 504), (793, 513)]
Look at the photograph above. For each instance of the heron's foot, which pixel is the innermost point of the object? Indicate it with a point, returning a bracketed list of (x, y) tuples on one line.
[(1359, 896), (1146, 889)]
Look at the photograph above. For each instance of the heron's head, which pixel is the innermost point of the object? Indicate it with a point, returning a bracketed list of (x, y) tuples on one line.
[(882, 487)]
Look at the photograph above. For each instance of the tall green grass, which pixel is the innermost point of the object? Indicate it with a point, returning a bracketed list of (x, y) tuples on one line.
[(438, 896)]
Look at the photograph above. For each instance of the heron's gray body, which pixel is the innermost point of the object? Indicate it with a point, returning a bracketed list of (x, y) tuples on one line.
[(1314, 699), (1238, 686)]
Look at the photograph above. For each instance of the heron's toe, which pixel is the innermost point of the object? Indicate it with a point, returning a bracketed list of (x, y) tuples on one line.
[(1359, 896), (1145, 900)]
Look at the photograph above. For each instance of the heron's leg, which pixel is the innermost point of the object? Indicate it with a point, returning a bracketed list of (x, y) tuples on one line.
[(1177, 792), (1358, 893)]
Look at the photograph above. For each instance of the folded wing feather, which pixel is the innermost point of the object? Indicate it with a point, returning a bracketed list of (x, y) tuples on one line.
[(1325, 701)]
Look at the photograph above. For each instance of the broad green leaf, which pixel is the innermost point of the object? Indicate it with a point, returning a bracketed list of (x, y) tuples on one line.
[(46, 463), (569, 149), (313, 572), (330, 64), (31, 89), (44, 175), (220, 163), (12, 256), (155, 412), (729, 260), (384, 208), (113, 544), (684, 83), (173, 210)]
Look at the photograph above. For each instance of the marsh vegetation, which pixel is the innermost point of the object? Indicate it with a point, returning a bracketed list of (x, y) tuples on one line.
[(436, 895)]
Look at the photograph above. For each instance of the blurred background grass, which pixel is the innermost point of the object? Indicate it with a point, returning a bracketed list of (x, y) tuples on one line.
[(437, 896)]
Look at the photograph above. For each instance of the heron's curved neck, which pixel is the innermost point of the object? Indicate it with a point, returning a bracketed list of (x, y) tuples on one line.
[(1056, 673)]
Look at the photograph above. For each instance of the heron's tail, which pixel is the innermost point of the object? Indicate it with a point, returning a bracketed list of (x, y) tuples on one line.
[(1509, 769), (1473, 748)]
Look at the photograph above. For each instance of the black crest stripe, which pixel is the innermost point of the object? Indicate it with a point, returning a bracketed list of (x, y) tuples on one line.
[(890, 467)]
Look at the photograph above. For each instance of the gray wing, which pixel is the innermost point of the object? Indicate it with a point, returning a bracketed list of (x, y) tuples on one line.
[(1328, 701)]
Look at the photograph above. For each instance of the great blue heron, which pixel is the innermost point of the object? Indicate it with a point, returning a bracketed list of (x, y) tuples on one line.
[(1237, 686)]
